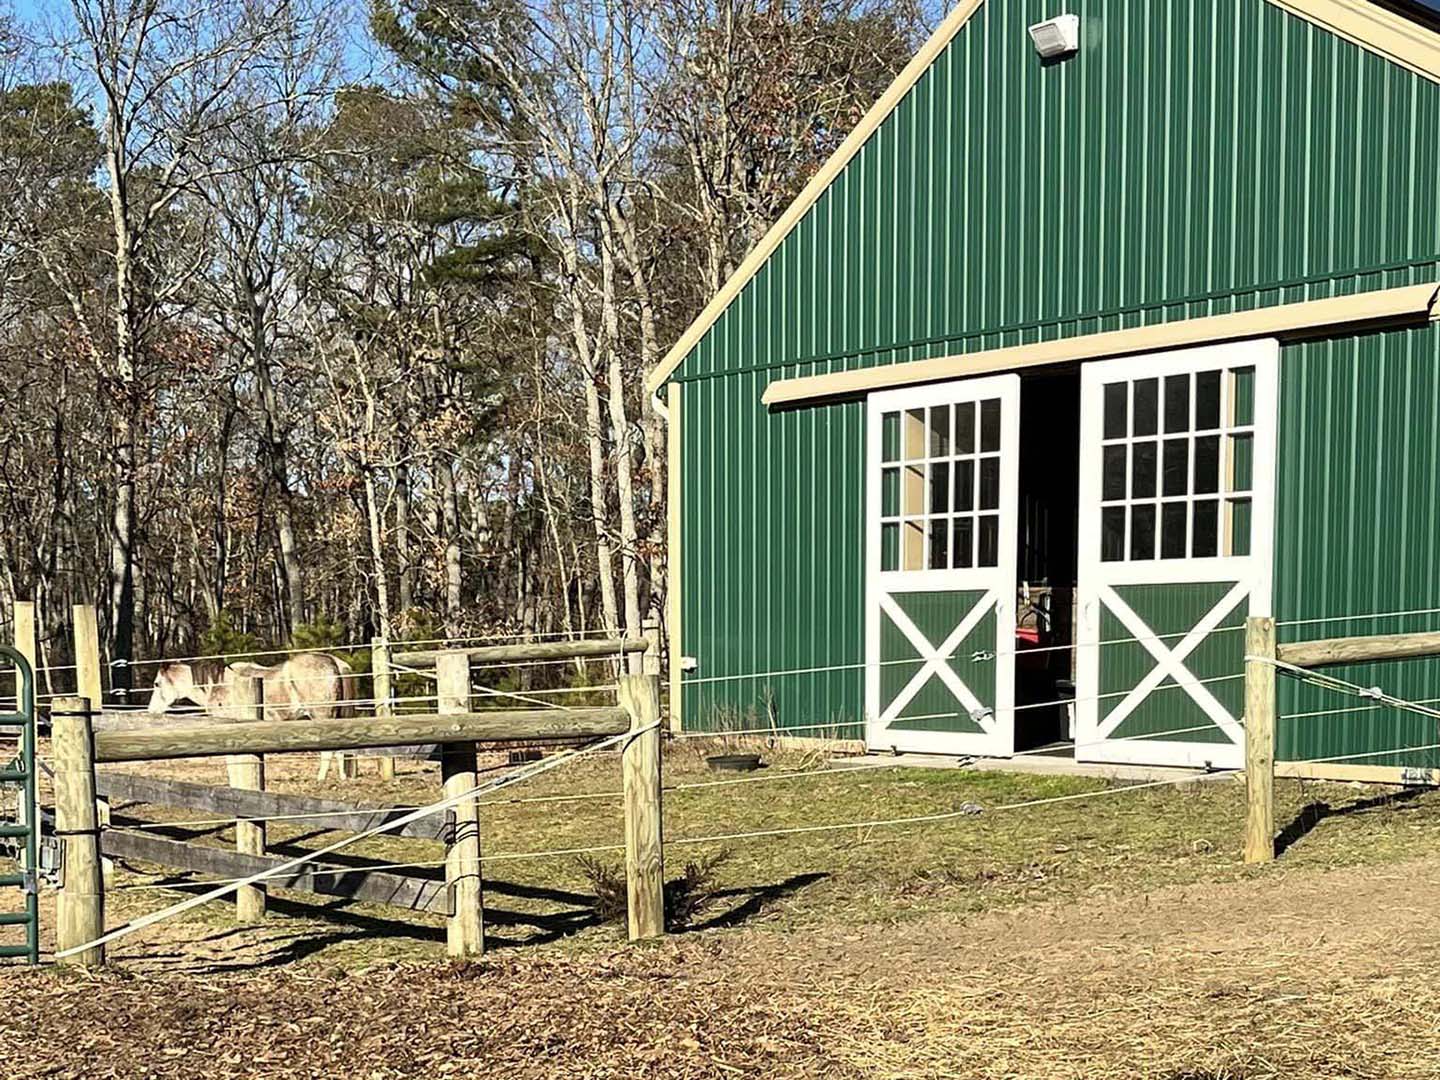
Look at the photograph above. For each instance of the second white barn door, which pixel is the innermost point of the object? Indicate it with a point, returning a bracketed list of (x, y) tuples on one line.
[(941, 546), (1177, 475)]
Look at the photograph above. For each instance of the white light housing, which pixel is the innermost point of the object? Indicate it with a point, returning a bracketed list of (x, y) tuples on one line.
[(1056, 37)]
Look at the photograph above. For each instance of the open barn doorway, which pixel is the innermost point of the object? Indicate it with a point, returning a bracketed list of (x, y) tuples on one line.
[(1046, 562)]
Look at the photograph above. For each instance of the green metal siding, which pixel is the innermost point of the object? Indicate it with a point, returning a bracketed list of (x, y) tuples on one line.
[(1358, 532), (1195, 159), (773, 561)]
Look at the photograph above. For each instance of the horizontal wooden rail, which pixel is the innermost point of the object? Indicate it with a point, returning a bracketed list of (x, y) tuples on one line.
[(1354, 650), (534, 650), (121, 787), (374, 886), (359, 733)]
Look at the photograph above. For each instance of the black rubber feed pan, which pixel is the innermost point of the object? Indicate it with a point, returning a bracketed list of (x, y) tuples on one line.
[(733, 762)]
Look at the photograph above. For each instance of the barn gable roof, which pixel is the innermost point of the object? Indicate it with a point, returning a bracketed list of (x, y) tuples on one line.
[(1379, 30)]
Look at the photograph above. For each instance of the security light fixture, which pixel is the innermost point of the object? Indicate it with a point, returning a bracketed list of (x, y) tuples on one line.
[(1059, 36)]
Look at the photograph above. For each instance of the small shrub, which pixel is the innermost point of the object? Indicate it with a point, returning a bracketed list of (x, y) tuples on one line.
[(221, 638), (686, 897), (691, 894), (607, 882)]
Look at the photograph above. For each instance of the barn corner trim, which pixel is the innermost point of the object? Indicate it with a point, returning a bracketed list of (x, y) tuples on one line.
[(1375, 29), (919, 64), (1303, 318)]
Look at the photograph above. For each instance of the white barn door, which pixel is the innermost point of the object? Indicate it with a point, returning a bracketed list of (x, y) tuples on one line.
[(942, 497), (1176, 514)]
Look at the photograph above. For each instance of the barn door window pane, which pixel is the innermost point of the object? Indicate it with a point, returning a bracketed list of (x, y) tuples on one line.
[(914, 434), (939, 487), (1142, 532), (989, 553), (1115, 409), (889, 492), (890, 437), (1147, 407), (965, 427), (1177, 403), (890, 546), (1112, 533), (940, 431), (1173, 530), (964, 542), (1144, 458)]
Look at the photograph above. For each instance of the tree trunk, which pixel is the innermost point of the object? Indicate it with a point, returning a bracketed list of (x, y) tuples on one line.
[(273, 446), (401, 480), (450, 517), (620, 434)]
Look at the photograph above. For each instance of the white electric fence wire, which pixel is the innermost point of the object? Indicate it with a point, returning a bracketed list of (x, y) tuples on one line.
[(519, 775), (970, 811), (588, 796), (1343, 712), (1358, 618), (919, 819), (487, 691), (415, 699), (978, 657), (1343, 686), (353, 646)]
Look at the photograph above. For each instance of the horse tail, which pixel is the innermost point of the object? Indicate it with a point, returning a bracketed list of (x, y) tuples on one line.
[(344, 690)]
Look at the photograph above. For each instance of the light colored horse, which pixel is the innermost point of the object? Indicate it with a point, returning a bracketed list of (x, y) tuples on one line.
[(307, 686)]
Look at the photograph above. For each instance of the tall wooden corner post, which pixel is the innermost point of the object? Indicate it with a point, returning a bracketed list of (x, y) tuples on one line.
[(1259, 739), (80, 910), (247, 772), (465, 930), (644, 833)]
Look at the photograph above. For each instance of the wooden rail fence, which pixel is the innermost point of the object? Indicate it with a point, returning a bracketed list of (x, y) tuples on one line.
[(82, 794), (1260, 671)]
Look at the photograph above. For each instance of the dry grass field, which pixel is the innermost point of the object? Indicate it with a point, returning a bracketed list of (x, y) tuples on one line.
[(1109, 936)]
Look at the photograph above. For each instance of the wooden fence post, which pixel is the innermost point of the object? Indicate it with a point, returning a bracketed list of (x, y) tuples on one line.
[(1259, 740), (24, 612), (380, 691), (80, 909), (650, 660), (88, 685), (87, 655), (644, 838), (247, 772), (465, 930)]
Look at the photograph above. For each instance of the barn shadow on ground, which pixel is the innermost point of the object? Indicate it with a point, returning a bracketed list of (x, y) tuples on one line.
[(1313, 814)]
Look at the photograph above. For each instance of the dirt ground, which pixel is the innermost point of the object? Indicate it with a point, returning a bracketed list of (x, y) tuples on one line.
[(1110, 937), (1297, 974)]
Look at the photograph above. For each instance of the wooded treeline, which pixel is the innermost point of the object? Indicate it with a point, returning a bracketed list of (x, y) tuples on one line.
[(320, 321)]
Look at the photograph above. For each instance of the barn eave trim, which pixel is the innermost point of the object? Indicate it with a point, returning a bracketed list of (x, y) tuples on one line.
[(1413, 303)]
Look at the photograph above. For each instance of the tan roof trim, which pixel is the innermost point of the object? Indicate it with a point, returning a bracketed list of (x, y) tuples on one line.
[(832, 168), (1381, 31), (1414, 302)]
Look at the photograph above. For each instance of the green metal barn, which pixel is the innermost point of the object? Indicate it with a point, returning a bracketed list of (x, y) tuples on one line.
[(1111, 324)]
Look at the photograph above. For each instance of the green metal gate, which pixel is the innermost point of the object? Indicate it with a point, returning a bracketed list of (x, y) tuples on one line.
[(20, 837)]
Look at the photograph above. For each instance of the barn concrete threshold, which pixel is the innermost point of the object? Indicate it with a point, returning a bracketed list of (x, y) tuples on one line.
[(1046, 762)]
